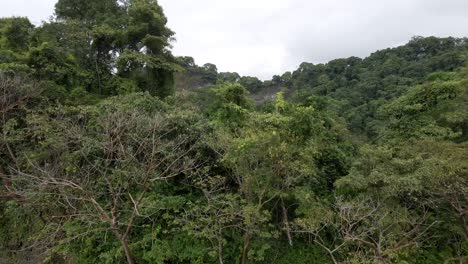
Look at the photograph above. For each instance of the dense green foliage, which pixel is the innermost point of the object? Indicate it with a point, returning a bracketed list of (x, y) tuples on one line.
[(102, 161)]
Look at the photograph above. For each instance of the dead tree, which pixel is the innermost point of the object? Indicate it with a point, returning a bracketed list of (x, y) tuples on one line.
[(15, 93)]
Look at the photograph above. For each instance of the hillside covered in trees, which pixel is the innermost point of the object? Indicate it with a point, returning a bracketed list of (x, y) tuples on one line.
[(113, 150)]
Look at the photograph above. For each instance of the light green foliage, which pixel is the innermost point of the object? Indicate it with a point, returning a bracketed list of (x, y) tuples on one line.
[(15, 35), (425, 172), (415, 166), (432, 110), (227, 104)]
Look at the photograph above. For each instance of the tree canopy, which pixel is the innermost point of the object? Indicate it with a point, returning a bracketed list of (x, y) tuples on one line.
[(113, 150)]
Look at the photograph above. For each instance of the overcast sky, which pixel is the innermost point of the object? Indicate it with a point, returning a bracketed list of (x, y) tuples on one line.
[(266, 37)]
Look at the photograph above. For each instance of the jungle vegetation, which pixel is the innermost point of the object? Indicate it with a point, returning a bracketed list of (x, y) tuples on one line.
[(113, 150)]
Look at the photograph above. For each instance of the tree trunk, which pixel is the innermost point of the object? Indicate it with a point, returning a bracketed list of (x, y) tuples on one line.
[(462, 221), (245, 252), (220, 250), (286, 223), (128, 255), (124, 243)]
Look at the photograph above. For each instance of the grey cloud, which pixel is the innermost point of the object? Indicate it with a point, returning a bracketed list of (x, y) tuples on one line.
[(36, 10), (303, 30), (266, 37)]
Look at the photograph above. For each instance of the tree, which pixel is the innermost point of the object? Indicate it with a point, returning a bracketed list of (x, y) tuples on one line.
[(227, 105), (15, 33), (16, 93), (186, 62), (253, 84), (271, 159), (100, 173), (364, 229), (209, 72), (130, 37), (432, 110), (232, 77), (86, 11), (420, 172)]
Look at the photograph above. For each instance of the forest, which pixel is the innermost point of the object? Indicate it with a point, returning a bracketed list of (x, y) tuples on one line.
[(114, 150)]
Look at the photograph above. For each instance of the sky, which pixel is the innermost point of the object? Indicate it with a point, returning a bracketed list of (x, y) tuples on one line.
[(266, 37)]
